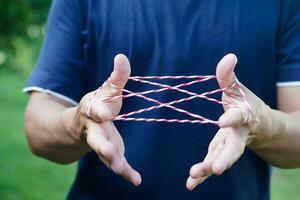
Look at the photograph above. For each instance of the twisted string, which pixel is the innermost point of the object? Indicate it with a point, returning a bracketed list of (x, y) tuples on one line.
[(164, 87)]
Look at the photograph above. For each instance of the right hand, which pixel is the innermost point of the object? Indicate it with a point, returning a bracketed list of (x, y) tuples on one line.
[(97, 126)]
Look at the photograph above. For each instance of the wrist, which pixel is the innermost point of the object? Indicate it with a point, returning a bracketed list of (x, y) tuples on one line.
[(71, 120), (261, 127), (270, 124)]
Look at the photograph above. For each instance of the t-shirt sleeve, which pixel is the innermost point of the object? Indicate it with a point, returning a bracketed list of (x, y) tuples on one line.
[(60, 66), (289, 48)]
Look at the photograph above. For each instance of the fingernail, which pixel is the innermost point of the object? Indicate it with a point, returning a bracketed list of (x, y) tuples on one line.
[(137, 180), (135, 184), (189, 184), (193, 187)]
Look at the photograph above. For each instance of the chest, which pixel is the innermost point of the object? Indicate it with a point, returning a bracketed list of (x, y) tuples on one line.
[(182, 27), (183, 37)]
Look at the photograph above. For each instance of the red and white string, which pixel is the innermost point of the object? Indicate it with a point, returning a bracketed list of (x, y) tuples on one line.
[(164, 87)]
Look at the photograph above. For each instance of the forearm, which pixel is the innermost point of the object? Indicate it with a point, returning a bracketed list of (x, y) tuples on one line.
[(279, 143), (50, 131)]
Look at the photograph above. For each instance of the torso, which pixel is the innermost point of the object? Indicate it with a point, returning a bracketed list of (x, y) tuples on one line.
[(178, 38)]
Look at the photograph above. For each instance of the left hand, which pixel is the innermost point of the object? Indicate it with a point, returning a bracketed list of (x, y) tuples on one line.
[(238, 126)]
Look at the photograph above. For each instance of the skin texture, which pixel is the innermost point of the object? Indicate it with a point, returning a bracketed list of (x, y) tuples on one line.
[(66, 133), (272, 135)]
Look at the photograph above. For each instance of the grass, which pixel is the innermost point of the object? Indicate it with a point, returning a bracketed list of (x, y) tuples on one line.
[(24, 176), (286, 184)]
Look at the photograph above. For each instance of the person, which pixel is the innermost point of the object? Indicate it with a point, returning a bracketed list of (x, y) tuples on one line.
[(168, 38)]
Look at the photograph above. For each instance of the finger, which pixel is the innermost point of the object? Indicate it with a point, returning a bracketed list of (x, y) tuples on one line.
[(117, 139), (233, 149), (110, 149), (225, 71), (98, 141), (199, 173), (96, 106), (121, 71), (101, 146), (131, 174), (121, 167), (234, 117), (107, 152), (216, 141), (191, 183), (201, 169), (119, 76), (102, 112), (128, 173), (204, 169)]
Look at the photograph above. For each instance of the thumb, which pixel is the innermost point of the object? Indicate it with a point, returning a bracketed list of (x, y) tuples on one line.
[(109, 89), (225, 71), (121, 71), (226, 78), (119, 77)]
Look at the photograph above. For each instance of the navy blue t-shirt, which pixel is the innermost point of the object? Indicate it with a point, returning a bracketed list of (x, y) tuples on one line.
[(169, 37)]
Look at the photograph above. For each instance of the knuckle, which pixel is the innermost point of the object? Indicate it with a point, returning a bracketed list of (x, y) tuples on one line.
[(117, 167), (98, 150), (93, 111), (89, 140), (108, 151)]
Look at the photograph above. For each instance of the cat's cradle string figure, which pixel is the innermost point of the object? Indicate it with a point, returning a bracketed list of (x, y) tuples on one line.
[(171, 105)]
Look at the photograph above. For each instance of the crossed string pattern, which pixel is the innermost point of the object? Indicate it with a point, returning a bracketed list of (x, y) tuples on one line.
[(164, 87)]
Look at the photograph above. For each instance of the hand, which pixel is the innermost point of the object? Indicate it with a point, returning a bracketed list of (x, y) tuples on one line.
[(239, 127), (94, 122)]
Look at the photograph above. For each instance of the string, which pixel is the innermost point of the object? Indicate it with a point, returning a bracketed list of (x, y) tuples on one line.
[(164, 87)]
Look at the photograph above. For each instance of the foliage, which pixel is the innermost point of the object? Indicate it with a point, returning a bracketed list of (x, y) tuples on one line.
[(21, 26)]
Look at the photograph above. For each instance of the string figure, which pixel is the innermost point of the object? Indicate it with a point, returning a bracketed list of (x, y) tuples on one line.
[(171, 105)]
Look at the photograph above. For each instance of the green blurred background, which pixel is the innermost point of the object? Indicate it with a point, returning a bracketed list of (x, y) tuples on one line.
[(22, 175)]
